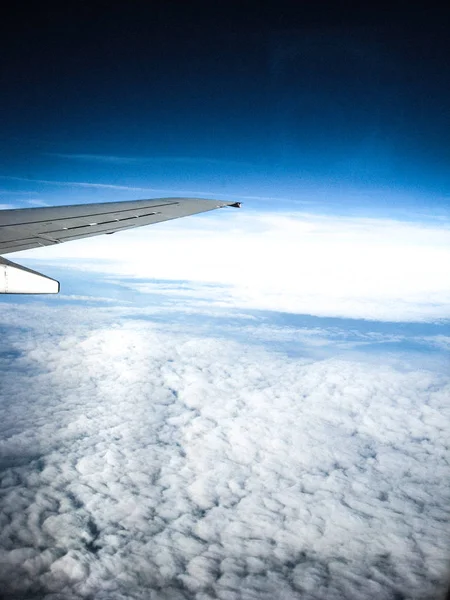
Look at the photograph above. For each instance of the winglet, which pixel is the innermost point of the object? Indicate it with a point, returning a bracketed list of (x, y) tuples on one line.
[(236, 205)]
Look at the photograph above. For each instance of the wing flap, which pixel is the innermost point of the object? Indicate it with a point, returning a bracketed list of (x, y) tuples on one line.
[(24, 244)]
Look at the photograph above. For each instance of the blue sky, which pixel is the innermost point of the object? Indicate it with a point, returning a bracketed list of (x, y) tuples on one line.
[(350, 115), (245, 403)]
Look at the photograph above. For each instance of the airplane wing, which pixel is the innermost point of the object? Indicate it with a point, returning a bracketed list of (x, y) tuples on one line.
[(25, 228)]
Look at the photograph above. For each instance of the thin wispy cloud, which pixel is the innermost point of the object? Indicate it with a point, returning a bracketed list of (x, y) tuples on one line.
[(35, 202), (83, 184), (131, 188), (191, 160), (16, 192)]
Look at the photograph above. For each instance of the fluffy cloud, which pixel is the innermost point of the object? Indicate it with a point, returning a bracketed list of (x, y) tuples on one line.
[(301, 263), (138, 461)]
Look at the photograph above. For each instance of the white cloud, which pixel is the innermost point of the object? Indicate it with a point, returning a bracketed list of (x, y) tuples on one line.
[(77, 298), (440, 341), (327, 266), (37, 202), (139, 460)]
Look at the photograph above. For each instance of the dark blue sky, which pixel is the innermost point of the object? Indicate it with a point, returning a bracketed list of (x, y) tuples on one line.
[(272, 99)]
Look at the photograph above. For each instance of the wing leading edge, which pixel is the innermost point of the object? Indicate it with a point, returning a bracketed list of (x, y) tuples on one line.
[(25, 228)]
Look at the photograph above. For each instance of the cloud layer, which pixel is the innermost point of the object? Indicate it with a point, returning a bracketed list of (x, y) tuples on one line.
[(376, 269), (138, 461)]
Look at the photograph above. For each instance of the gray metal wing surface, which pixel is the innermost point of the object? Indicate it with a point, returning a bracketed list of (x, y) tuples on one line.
[(25, 228)]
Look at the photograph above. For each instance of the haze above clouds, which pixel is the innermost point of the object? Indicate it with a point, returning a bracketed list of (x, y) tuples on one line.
[(377, 269)]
